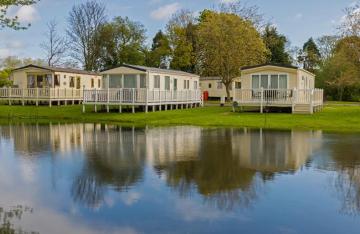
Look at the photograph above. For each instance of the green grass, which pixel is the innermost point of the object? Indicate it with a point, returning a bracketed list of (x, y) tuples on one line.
[(333, 118)]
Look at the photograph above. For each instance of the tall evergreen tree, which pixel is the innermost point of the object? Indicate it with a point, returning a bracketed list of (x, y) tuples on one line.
[(276, 44), (310, 56), (160, 51)]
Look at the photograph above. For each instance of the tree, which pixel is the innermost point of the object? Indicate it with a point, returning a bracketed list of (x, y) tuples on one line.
[(122, 41), (310, 56), (181, 30), (217, 53), (85, 21), (275, 43), (350, 25), (247, 12), (160, 51), (12, 22), (342, 71), (326, 45), (54, 46)]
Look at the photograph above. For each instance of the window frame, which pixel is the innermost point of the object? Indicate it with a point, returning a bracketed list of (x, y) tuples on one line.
[(259, 75)]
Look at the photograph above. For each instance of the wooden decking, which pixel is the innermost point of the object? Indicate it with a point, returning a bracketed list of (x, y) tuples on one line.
[(41, 95), (302, 101), (144, 98)]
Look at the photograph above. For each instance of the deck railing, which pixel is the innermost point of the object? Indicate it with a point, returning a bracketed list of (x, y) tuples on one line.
[(141, 96), (279, 96), (41, 93)]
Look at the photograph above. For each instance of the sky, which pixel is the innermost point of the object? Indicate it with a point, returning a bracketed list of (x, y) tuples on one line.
[(298, 20)]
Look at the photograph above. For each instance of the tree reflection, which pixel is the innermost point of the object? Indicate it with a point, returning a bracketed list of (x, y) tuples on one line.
[(7, 218), (232, 165), (345, 153), (112, 160)]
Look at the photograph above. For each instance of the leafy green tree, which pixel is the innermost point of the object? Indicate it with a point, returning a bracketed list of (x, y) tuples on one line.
[(160, 51), (122, 41), (310, 56), (226, 42), (340, 74), (276, 44), (12, 22), (181, 31)]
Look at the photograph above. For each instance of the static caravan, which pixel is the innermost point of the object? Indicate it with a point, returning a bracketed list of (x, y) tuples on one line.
[(270, 85), (34, 84), (144, 87), (215, 88)]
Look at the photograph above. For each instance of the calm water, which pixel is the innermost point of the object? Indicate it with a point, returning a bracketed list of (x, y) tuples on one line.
[(106, 179)]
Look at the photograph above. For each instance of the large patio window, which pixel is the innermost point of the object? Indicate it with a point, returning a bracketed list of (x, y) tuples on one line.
[(175, 84), (72, 82), (156, 82), (142, 81), (273, 81), (167, 82), (283, 82), (57, 80), (255, 81), (130, 81), (115, 81), (78, 82), (31, 81)]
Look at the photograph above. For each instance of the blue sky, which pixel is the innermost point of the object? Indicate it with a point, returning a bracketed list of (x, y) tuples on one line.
[(298, 20)]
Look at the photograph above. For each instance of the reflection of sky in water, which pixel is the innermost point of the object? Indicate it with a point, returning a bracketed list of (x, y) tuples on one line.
[(104, 179)]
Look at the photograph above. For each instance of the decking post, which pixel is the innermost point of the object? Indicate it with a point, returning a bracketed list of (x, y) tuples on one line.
[(37, 96), (133, 101), (9, 95), (294, 100), (146, 101), (96, 97), (311, 101), (83, 102), (262, 100), (108, 100), (160, 101), (22, 97)]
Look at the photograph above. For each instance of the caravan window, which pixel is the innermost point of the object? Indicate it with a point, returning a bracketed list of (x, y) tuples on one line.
[(130, 81)]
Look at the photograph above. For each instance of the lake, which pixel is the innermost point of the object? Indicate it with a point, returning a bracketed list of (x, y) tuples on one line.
[(92, 178)]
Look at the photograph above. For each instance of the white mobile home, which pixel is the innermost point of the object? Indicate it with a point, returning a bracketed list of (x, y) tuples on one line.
[(270, 85), (34, 83), (140, 86)]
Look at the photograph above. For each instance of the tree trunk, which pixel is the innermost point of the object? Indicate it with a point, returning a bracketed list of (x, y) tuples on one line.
[(228, 97)]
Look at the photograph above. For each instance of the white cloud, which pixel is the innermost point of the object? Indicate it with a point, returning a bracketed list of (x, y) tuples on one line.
[(27, 14), (164, 12), (299, 16)]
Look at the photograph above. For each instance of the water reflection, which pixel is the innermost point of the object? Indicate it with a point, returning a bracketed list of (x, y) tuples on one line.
[(11, 215), (227, 167), (112, 159), (344, 159)]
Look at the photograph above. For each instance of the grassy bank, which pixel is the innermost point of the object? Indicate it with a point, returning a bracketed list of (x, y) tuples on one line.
[(333, 118)]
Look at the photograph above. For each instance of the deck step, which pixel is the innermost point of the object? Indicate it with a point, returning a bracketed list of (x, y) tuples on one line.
[(302, 109)]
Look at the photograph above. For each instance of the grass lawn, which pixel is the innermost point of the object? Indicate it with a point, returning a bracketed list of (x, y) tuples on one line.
[(333, 118)]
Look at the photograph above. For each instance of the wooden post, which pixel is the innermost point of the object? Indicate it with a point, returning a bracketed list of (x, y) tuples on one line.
[(311, 101), (294, 100), (96, 97), (146, 101), (108, 100), (37, 96), (83, 100), (120, 105), (262, 101), (72, 95), (22, 97), (9, 96), (133, 100)]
